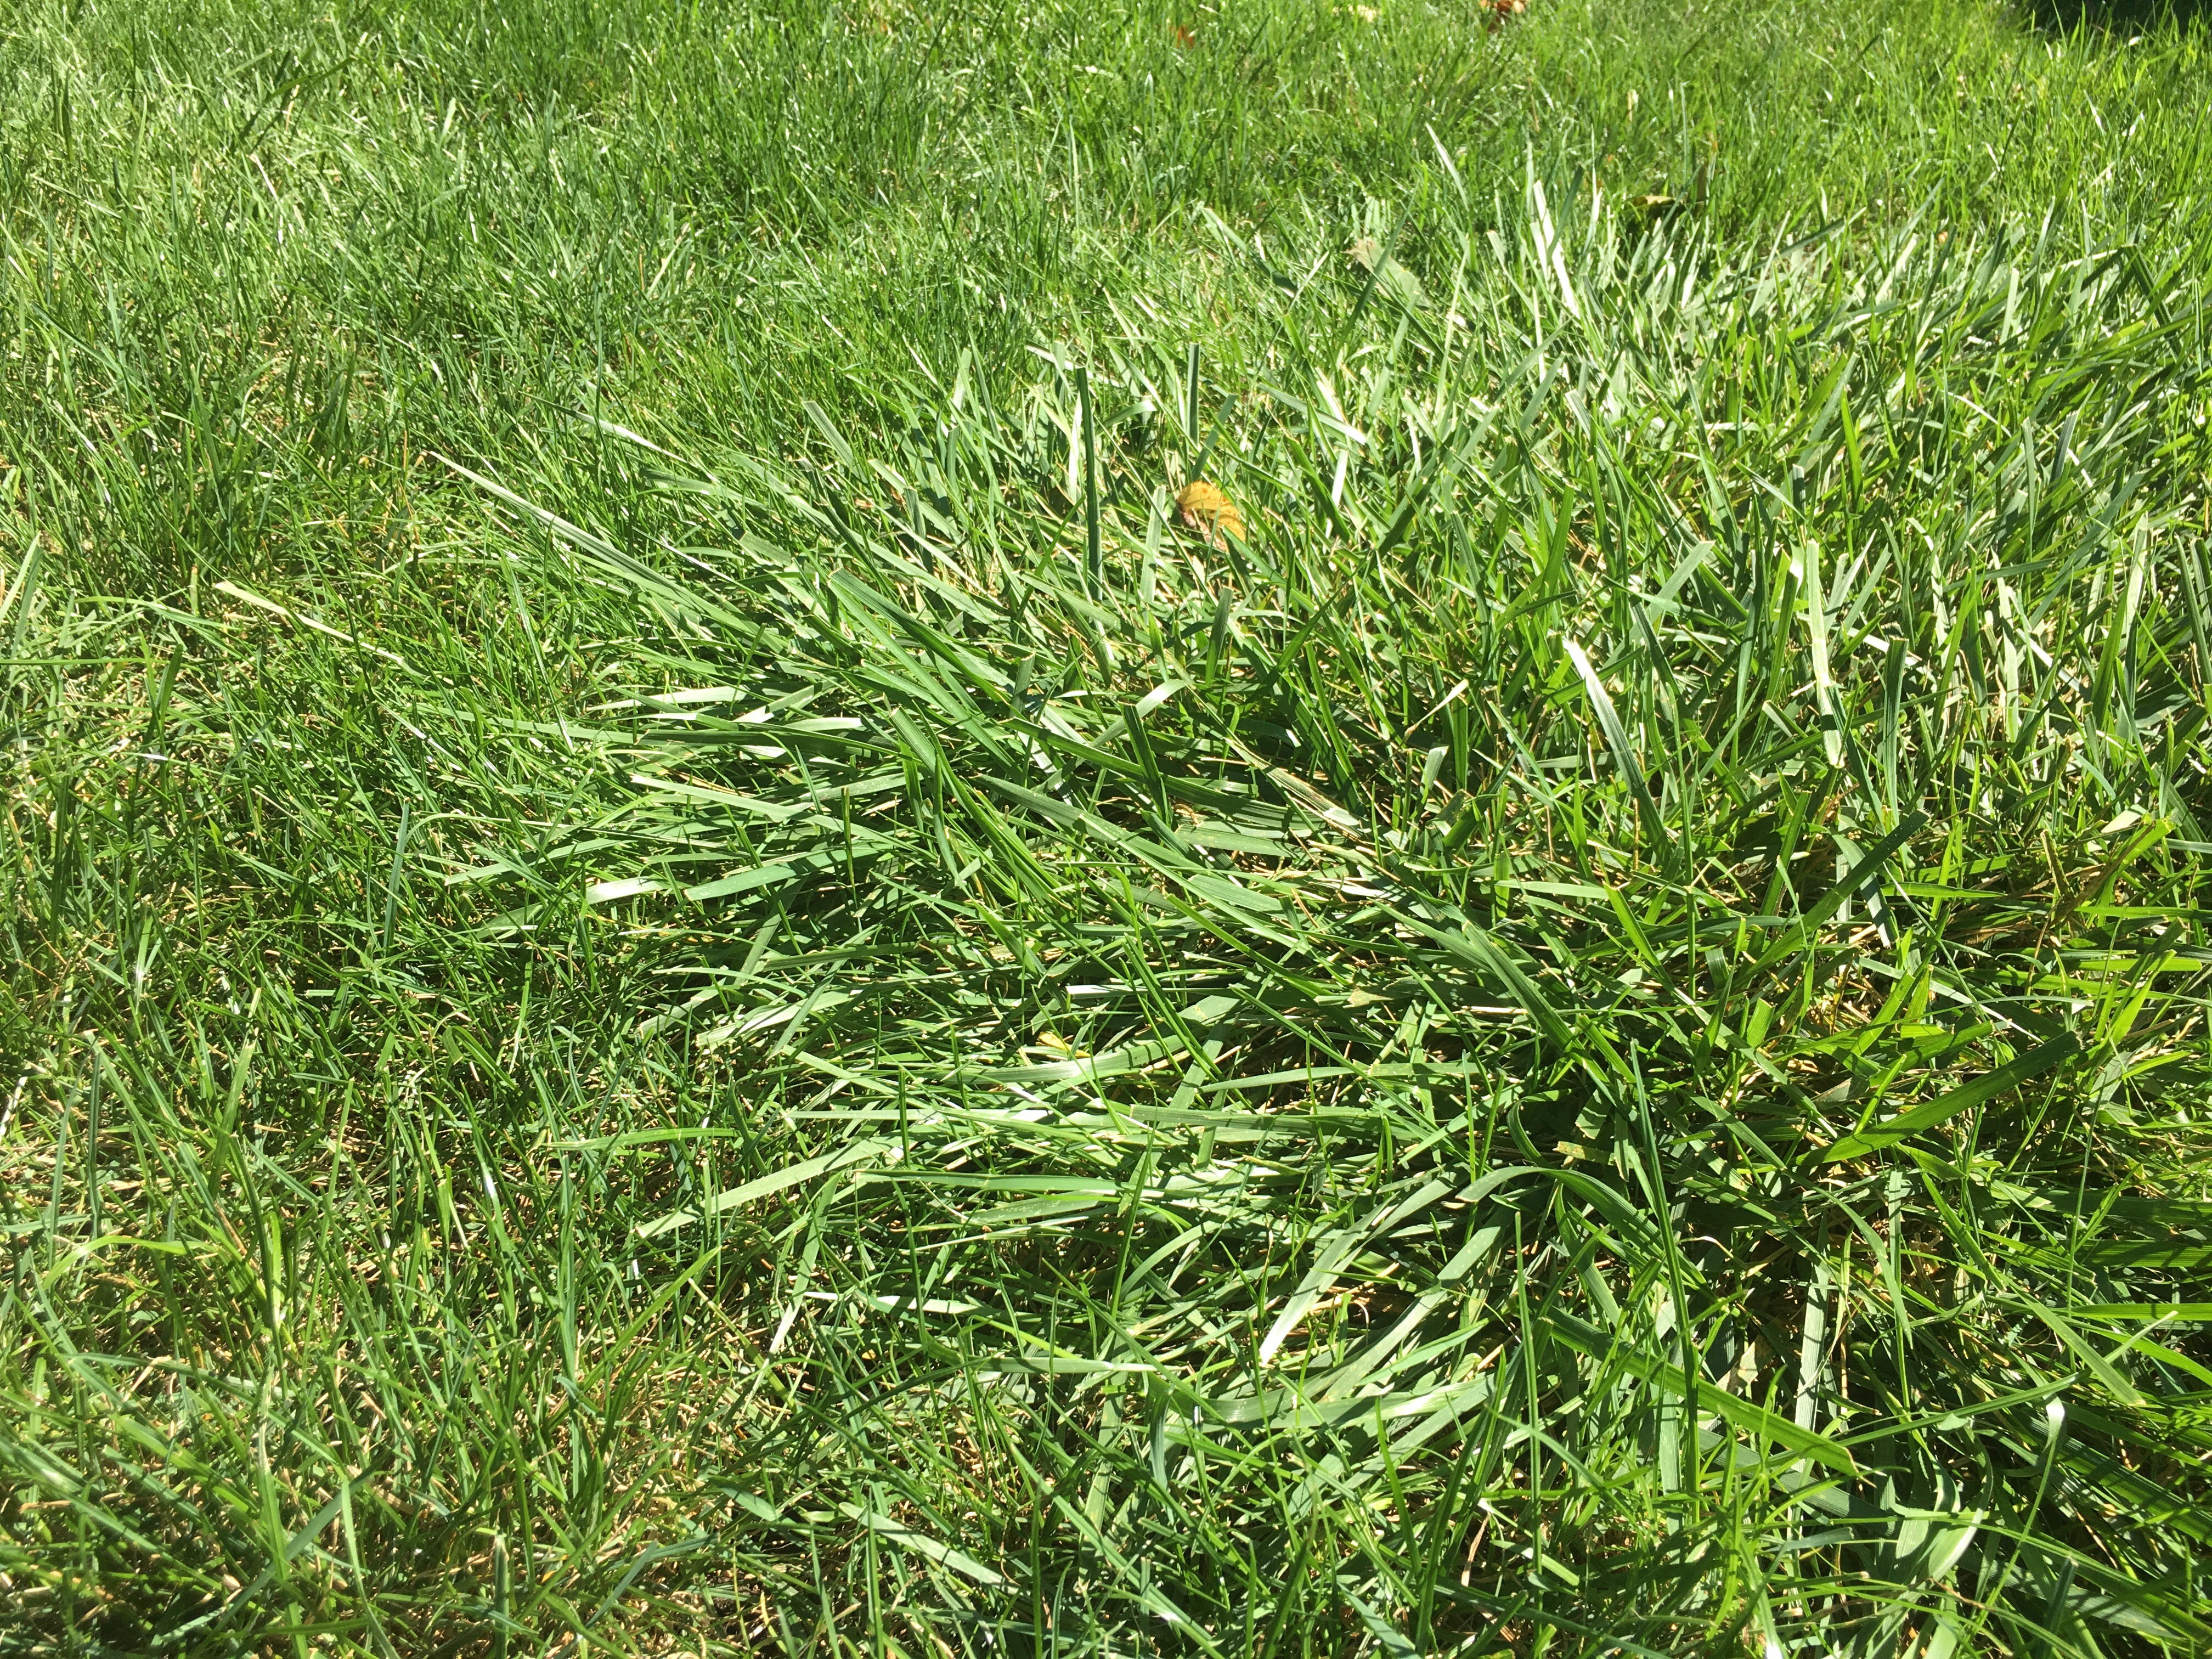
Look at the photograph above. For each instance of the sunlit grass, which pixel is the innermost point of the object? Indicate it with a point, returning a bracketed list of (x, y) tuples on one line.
[(688, 971)]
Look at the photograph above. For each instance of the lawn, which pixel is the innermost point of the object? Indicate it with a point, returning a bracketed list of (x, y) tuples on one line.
[(685, 973)]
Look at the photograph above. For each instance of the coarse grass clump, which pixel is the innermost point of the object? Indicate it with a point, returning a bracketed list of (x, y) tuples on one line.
[(687, 973)]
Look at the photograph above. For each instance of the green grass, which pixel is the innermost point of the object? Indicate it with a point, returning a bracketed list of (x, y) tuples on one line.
[(679, 978)]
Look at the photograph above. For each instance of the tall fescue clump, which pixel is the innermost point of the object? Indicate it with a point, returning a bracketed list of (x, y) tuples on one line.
[(1560, 1035)]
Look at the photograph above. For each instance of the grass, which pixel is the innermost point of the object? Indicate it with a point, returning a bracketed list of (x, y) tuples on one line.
[(682, 978)]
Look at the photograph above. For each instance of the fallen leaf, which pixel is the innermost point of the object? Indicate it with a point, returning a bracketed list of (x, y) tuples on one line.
[(1208, 512)]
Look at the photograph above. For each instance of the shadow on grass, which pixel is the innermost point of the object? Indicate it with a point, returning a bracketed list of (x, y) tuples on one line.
[(2124, 18)]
